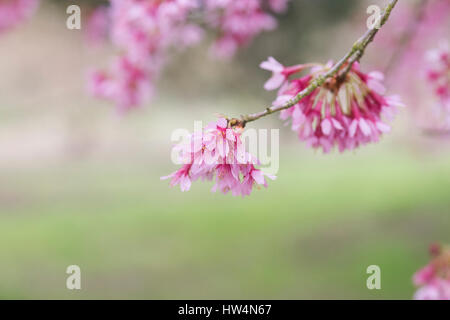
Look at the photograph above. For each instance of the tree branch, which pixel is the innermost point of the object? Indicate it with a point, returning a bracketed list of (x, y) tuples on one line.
[(348, 60)]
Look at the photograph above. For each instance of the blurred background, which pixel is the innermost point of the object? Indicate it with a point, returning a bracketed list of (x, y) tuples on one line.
[(79, 184)]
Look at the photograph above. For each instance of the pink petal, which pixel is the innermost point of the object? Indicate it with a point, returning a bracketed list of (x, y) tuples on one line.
[(424, 275), (272, 65), (383, 127), (167, 177), (395, 101), (222, 123), (376, 86), (270, 176), (230, 135), (326, 127), (185, 183), (298, 116), (428, 292), (378, 75), (274, 82), (258, 176), (282, 100), (353, 127), (364, 127), (337, 124), (221, 148)]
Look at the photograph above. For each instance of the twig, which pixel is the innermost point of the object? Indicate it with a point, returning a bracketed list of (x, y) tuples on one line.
[(351, 57)]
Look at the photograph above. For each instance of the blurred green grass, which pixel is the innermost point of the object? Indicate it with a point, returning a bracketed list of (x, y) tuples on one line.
[(311, 234)]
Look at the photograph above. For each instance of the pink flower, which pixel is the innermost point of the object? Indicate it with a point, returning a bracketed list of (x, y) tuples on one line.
[(278, 5), (238, 23), (13, 12), (278, 78), (280, 73), (147, 32), (439, 78), (434, 279), (439, 71), (181, 177), (127, 83), (224, 48), (218, 152), (424, 275), (253, 177), (345, 113), (97, 25), (434, 290)]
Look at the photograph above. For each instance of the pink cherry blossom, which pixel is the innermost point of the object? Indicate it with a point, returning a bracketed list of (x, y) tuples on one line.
[(144, 31), (218, 152), (434, 290), (439, 78), (278, 78), (280, 73), (97, 25), (127, 83), (434, 279), (13, 12), (147, 32), (345, 113), (239, 22), (278, 5)]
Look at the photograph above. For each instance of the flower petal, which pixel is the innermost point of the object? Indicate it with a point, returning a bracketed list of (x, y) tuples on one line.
[(326, 127), (364, 127), (272, 65), (258, 176), (353, 127), (274, 82)]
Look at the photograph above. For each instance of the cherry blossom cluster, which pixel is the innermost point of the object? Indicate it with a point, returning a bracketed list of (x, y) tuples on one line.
[(238, 22), (217, 152), (346, 111), (434, 279), (144, 31), (147, 31), (13, 12), (439, 77)]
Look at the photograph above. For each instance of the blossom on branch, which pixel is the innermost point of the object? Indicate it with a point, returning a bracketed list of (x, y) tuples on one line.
[(280, 73), (346, 111), (217, 152)]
